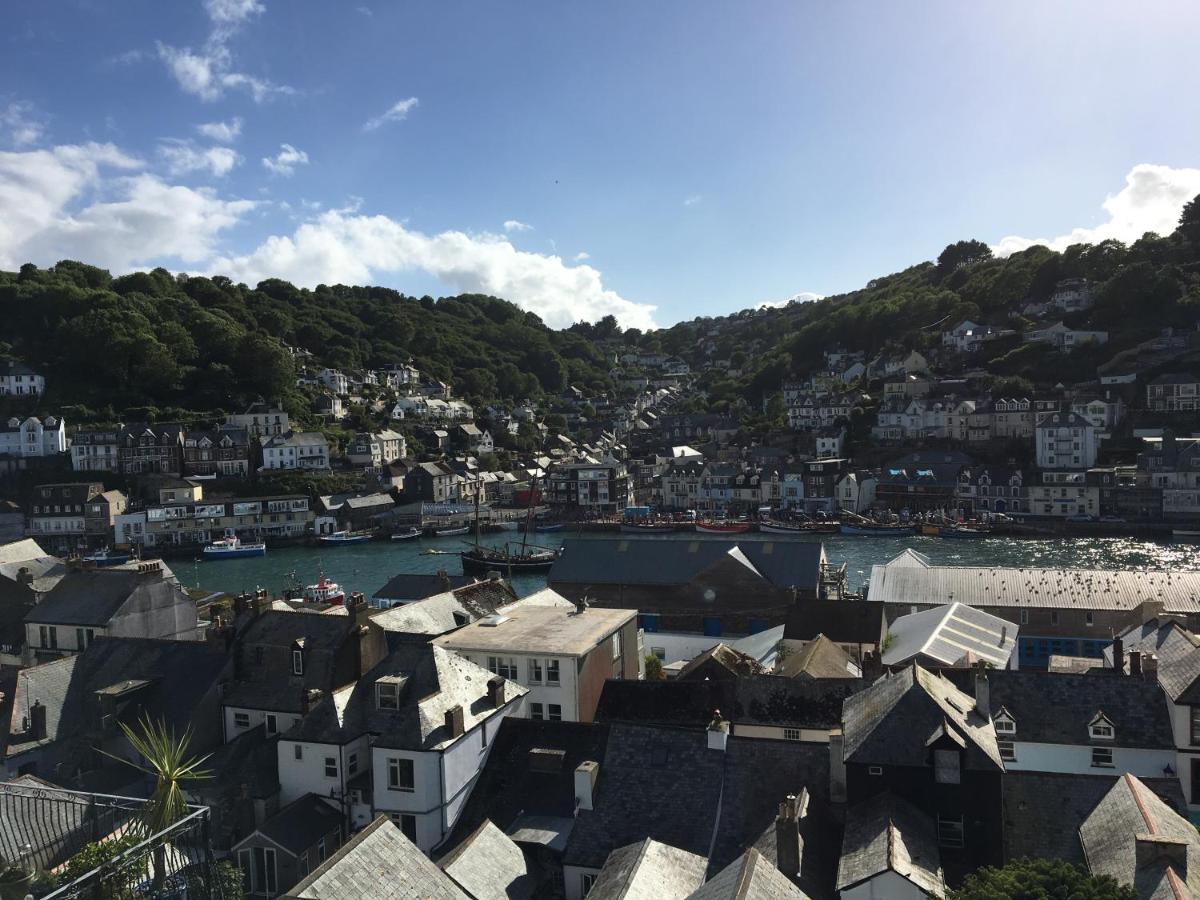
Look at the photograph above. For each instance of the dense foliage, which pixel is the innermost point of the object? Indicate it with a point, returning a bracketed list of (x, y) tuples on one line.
[(152, 339), (1040, 879)]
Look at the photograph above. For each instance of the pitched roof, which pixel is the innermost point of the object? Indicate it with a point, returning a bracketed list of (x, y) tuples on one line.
[(948, 635), (1131, 817), (723, 659), (300, 824), (817, 658), (446, 611), (889, 834), (91, 597), (489, 866), (270, 683), (749, 877), (1056, 707), (378, 863), (649, 870), (892, 721), (651, 561)]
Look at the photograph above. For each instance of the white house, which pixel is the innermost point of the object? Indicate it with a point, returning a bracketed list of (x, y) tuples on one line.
[(855, 491), (421, 722), (17, 379), (378, 449), (33, 437), (831, 441), (1065, 441), (1065, 339), (260, 420), (296, 450), (334, 380)]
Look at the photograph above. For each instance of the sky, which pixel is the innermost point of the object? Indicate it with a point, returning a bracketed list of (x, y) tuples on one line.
[(656, 161)]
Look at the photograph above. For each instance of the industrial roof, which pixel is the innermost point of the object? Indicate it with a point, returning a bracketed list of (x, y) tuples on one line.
[(947, 634)]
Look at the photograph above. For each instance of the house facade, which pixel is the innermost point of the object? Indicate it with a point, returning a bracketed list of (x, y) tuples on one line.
[(302, 450), (19, 380), (33, 437)]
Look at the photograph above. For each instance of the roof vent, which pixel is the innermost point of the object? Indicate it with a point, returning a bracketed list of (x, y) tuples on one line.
[(493, 620)]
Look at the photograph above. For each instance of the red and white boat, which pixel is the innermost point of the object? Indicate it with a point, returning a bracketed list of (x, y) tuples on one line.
[(722, 527), (325, 591)]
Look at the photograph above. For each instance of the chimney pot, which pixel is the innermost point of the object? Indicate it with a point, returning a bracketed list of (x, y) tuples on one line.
[(1118, 655), (837, 766), (586, 774), (1135, 663), (787, 837), (37, 721)]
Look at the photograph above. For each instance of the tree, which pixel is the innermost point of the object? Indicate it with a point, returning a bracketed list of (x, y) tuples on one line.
[(1189, 222), (962, 253), (654, 668), (1040, 879)]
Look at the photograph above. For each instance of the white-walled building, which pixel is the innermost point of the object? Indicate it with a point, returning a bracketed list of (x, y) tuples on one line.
[(296, 450), (18, 380), (260, 420), (33, 437), (1065, 441)]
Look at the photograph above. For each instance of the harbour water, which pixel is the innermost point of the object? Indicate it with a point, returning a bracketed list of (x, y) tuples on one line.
[(367, 567)]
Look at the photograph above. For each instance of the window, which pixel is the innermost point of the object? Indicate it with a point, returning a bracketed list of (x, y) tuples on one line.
[(1102, 756), (535, 671), (387, 695), (660, 652), (258, 870), (407, 824), (352, 763), (1089, 617), (554, 712), (272, 723), (1008, 750), (586, 881), (297, 662), (616, 645), (331, 767), (506, 668), (321, 851), (299, 751), (791, 734), (1054, 617), (535, 711), (946, 767), (1195, 724), (241, 720), (1005, 723), (552, 671), (400, 775), (874, 770), (303, 865), (950, 831), (49, 635), (1100, 730)]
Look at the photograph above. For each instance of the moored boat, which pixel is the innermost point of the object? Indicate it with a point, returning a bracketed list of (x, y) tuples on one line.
[(1185, 534), (549, 526), (107, 557), (799, 527), (346, 537), (647, 527), (325, 591), (455, 531), (875, 530), (504, 560), (962, 531), (407, 535), (232, 548), (722, 527)]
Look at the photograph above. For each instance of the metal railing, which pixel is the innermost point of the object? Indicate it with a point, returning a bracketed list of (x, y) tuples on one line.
[(94, 846)]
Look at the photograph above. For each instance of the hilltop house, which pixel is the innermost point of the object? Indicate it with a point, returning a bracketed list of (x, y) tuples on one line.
[(1173, 393), (33, 437), (1065, 441), (260, 420), (305, 450), (18, 380)]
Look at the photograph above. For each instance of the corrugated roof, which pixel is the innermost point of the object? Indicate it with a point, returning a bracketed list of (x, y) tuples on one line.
[(947, 634)]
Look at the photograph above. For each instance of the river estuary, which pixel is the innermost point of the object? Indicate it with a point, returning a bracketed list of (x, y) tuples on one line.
[(367, 567)]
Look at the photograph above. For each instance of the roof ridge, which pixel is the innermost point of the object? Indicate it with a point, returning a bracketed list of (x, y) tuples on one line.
[(642, 853), (891, 844), (1141, 805), (745, 875)]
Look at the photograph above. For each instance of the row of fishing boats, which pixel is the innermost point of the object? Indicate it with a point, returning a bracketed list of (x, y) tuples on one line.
[(864, 528)]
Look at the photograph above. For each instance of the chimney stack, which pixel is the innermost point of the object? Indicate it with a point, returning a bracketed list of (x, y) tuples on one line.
[(495, 692), (455, 720), (1151, 610), (983, 693), (718, 732), (586, 774), (1150, 667), (837, 766), (787, 837), (443, 580), (1135, 663), (37, 721), (1118, 646), (309, 698)]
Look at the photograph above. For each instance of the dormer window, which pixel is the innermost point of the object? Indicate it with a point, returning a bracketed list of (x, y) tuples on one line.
[(1004, 722), (1101, 728)]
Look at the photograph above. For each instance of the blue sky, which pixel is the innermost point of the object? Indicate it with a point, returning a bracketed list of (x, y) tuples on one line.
[(655, 160)]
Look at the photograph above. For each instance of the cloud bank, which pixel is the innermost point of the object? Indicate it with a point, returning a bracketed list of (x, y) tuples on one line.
[(1151, 200)]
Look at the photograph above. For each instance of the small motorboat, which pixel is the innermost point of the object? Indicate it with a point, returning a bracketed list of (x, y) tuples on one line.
[(431, 552), (232, 548), (407, 535), (550, 526), (962, 531), (346, 537), (106, 557), (325, 591), (456, 531), (503, 526), (647, 527), (722, 527)]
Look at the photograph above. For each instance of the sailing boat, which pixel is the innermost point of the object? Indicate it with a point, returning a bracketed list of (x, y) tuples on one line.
[(480, 559)]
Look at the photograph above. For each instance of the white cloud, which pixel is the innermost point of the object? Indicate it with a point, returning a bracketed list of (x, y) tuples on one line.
[(128, 58), (582, 255), (692, 200), (802, 297), (356, 249), (182, 157), (19, 125), (366, 11), (61, 203), (398, 112), (511, 225), (1151, 200), (232, 13), (285, 161), (224, 132)]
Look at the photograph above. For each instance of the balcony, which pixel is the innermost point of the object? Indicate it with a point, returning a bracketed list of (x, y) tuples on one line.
[(47, 831)]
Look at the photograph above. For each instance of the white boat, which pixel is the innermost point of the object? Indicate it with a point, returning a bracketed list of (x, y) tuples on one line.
[(325, 591), (107, 557), (505, 526), (346, 537), (232, 548), (407, 535), (452, 532)]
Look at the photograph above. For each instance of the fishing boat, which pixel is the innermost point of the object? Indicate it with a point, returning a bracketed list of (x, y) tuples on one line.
[(325, 591), (962, 531), (346, 537), (929, 530), (407, 535), (799, 527), (875, 530), (722, 527), (507, 559), (106, 557), (504, 526), (232, 548), (456, 531), (647, 527), (549, 526)]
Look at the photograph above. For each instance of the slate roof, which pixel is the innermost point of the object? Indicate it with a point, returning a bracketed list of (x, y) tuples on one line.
[(890, 722), (650, 561), (749, 877), (177, 675), (489, 866), (1165, 638), (755, 700), (720, 661), (415, 586), (948, 635), (1129, 813), (842, 621), (818, 658), (378, 863), (1043, 810), (887, 833), (649, 870), (526, 783), (1056, 707), (299, 825), (271, 684), (91, 597), (444, 612)]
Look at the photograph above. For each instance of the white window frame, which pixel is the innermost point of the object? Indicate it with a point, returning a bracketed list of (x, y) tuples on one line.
[(297, 662), (553, 673), (382, 691), (1008, 750), (331, 762), (791, 734), (1102, 757), (241, 720), (551, 715), (394, 768)]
